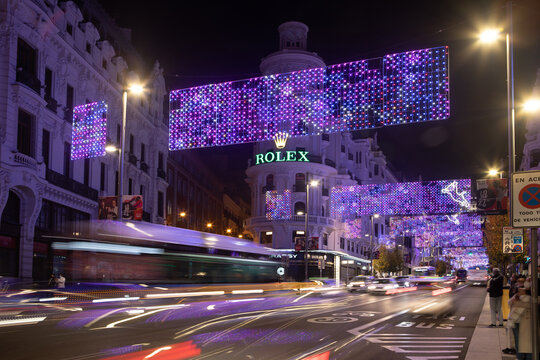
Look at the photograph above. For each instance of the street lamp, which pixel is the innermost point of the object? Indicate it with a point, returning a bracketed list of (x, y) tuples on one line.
[(495, 172), (490, 36), (308, 185), (135, 89), (376, 216)]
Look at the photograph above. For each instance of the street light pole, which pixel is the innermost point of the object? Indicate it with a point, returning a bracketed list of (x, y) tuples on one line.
[(511, 110), (121, 157), (306, 233), (371, 243)]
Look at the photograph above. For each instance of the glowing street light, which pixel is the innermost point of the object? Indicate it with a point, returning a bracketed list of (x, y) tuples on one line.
[(229, 231), (182, 214), (532, 105)]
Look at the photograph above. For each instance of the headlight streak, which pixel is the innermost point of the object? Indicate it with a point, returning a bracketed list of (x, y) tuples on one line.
[(164, 307), (128, 298), (254, 291), (303, 296), (441, 291), (23, 292), (22, 321), (426, 306), (113, 324), (244, 300), (52, 299), (185, 294)]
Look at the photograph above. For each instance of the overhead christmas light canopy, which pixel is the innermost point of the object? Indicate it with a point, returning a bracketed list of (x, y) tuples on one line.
[(395, 89), (89, 133)]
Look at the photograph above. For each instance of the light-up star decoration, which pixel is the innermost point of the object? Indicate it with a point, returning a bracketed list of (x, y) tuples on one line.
[(395, 89), (89, 133)]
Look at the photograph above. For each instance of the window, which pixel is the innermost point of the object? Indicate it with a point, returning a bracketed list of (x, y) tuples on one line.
[(143, 153), (160, 160), (67, 159), (118, 134), (269, 180), (27, 65), (376, 230), (131, 144), (45, 147), (160, 203), (325, 239), (116, 177), (166, 109), (88, 48), (48, 84), (342, 243), (69, 28), (299, 208), (25, 133), (376, 169), (104, 64), (130, 186), (70, 100), (86, 171), (300, 179), (102, 177), (348, 245), (141, 192)]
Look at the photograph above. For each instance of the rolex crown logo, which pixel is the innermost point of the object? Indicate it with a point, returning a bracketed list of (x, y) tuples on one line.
[(280, 138)]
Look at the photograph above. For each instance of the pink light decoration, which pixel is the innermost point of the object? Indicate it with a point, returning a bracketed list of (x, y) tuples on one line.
[(395, 89), (441, 291), (401, 290), (89, 132)]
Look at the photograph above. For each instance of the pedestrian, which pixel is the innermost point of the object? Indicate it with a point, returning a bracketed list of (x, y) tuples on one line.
[(52, 281), (513, 286), (513, 315), (495, 290), (60, 282), (522, 328)]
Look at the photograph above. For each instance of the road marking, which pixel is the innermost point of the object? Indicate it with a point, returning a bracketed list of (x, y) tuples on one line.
[(425, 307), (332, 320), (357, 330), (413, 344), (22, 321), (303, 296)]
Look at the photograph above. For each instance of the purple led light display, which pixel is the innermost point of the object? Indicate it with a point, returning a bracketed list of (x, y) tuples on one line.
[(466, 257), (395, 89), (278, 206), (463, 230), (89, 132), (414, 198)]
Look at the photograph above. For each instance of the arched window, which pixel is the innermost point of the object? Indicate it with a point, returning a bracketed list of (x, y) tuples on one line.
[(299, 208), (269, 180)]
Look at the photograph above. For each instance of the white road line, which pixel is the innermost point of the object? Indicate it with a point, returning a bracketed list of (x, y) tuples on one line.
[(432, 357), (398, 349), (425, 307), (356, 331), (25, 321), (303, 296)]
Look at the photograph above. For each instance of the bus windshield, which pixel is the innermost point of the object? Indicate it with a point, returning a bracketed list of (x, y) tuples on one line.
[(424, 271)]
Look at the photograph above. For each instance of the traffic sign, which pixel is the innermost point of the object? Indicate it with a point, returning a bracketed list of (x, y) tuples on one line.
[(512, 240), (526, 199)]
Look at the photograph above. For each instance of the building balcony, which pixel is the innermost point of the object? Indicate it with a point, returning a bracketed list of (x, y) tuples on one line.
[(66, 183), (144, 167), (329, 163), (29, 79), (132, 159), (25, 160), (294, 220)]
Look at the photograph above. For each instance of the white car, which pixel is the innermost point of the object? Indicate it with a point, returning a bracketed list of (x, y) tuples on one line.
[(477, 277), (382, 285), (359, 283)]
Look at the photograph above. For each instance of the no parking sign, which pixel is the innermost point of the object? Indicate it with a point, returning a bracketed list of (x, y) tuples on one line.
[(526, 199)]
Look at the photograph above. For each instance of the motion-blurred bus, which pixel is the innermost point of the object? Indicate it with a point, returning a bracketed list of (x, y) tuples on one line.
[(426, 278), (133, 251)]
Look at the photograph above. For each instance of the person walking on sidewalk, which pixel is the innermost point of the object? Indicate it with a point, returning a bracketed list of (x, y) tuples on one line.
[(495, 290)]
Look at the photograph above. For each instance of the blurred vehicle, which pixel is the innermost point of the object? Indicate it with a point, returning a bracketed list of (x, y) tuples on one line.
[(359, 283), (461, 275), (425, 278), (477, 276), (130, 251), (403, 280), (382, 285)]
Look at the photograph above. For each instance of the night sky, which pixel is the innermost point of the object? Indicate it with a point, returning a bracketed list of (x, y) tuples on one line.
[(202, 42)]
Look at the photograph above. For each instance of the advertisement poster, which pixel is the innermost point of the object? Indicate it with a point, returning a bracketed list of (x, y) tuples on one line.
[(492, 195), (299, 244), (108, 208), (132, 207)]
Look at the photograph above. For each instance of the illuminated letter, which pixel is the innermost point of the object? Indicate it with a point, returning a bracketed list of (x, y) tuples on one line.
[(303, 156), (259, 159), (279, 156), (291, 155), (266, 157)]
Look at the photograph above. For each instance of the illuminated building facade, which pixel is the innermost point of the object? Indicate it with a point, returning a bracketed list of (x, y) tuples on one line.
[(54, 61), (278, 177)]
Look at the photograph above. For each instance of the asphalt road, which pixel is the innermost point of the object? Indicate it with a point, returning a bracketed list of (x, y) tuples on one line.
[(288, 325)]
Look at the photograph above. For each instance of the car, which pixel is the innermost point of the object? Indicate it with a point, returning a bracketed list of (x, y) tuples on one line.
[(403, 281), (382, 285), (359, 283), (477, 277)]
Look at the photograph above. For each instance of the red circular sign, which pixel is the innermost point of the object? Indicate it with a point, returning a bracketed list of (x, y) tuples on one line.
[(529, 196)]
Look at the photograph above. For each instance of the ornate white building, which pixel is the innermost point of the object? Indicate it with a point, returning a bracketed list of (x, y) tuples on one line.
[(54, 58), (334, 159)]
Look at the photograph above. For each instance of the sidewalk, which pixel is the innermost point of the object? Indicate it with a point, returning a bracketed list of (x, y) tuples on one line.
[(487, 343)]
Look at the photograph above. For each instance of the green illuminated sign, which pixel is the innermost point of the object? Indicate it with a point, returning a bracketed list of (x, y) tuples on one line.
[(279, 156)]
